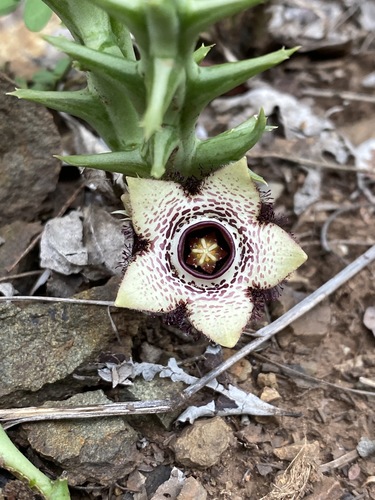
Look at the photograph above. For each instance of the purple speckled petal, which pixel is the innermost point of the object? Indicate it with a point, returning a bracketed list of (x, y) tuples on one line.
[(262, 255), (154, 206), (272, 256), (232, 191), (148, 286), (221, 316)]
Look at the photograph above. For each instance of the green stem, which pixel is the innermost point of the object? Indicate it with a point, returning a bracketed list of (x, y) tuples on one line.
[(145, 103), (13, 460)]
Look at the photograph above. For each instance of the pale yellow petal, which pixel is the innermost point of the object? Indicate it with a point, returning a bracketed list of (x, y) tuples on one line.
[(153, 204), (222, 317), (148, 285), (272, 256), (232, 190)]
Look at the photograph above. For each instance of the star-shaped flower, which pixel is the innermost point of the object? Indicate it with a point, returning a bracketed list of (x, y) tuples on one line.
[(207, 253)]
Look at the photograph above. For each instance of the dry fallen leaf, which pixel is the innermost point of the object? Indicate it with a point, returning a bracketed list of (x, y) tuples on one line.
[(88, 241)]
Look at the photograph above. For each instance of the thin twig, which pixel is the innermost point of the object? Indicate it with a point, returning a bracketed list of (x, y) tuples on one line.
[(339, 462), (347, 96), (353, 243), (88, 302), (307, 162), (113, 325), (19, 415), (297, 374), (20, 275), (38, 413)]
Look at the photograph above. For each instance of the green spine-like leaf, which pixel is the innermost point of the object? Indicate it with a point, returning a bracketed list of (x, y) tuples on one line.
[(201, 53), (129, 12), (207, 83), (129, 163), (213, 81), (161, 90), (147, 107), (79, 103), (89, 25), (104, 63), (162, 145), (229, 146)]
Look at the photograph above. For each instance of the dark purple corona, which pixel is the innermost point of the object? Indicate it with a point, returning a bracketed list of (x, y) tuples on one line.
[(206, 250)]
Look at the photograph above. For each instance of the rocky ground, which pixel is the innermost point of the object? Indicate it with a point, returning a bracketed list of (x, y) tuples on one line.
[(58, 238)]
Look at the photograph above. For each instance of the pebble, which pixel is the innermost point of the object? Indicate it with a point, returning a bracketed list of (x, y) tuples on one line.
[(269, 394), (241, 370), (203, 443), (290, 451), (366, 447), (267, 380), (354, 472), (192, 490)]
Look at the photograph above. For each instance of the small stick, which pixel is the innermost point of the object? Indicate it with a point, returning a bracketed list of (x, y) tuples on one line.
[(339, 462), (88, 302), (347, 96), (37, 413), (11, 277), (307, 162)]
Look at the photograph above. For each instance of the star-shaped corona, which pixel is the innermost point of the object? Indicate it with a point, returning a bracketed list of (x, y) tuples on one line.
[(207, 253)]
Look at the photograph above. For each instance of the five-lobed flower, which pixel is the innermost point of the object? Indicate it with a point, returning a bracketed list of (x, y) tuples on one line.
[(207, 253)]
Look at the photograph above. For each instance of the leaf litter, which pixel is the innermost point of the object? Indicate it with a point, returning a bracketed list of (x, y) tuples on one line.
[(241, 403)]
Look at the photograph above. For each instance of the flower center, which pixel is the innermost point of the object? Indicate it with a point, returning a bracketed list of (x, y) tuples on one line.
[(206, 250)]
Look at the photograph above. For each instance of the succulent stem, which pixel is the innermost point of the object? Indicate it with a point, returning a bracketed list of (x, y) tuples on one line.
[(13, 460), (146, 107)]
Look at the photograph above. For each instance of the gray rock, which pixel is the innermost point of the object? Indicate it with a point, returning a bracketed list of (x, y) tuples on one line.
[(366, 447), (28, 171), (96, 450), (42, 343)]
